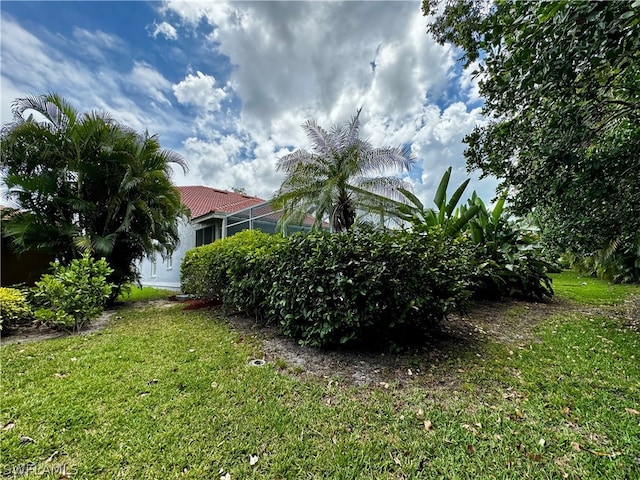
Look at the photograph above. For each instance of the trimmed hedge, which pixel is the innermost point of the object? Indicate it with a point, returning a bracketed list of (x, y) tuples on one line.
[(366, 287), (359, 287), (229, 270)]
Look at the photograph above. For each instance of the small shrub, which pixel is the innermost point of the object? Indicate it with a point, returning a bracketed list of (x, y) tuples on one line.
[(14, 308), (72, 296)]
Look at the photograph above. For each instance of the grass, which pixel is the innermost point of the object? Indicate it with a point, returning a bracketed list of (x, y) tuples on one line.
[(589, 290), (145, 294), (165, 393)]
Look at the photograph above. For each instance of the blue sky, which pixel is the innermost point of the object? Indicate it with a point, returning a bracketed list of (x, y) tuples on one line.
[(228, 84)]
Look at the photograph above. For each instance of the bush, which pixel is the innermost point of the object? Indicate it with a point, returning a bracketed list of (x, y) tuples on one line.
[(72, 296), (366, 287), (230, 269), (360, 287), (619, 262), (508, 255), (14, 308)]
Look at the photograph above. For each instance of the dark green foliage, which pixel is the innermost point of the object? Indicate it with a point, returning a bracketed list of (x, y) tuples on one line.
[(509, 257), (560, 82), (507, 252), (366, 287), (88, 183), (358, 287), (600, 232), (72, 295), (230, 270), (619, 262)]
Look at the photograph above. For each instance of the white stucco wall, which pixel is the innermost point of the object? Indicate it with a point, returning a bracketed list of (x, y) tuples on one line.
[(167, 272)]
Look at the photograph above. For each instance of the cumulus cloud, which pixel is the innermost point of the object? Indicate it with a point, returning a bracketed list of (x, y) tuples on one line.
[(300, 60), (261, 70), (199, 90), (166, 29)]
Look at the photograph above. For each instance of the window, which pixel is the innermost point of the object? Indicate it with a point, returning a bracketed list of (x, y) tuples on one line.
[(205, 236), (170, 263)]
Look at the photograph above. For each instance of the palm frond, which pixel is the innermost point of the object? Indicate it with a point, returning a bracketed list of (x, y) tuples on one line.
[(319, 138)]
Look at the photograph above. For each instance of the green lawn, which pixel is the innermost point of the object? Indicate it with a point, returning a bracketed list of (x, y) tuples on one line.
[(163, 393), (589, 290), (145, 294)]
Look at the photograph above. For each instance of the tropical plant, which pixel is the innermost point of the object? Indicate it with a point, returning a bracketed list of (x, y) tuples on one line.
[(72, 295), (508, 254), (13, 307), (338, 176), (88, 183), (447, 215), (618, 262)]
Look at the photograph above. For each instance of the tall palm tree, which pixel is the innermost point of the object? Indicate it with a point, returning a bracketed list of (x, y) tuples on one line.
[(341, 174), (86, 182)]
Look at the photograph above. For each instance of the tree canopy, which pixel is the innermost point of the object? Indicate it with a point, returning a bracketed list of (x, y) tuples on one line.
[(561, 85), (85, 182), (339, 175)]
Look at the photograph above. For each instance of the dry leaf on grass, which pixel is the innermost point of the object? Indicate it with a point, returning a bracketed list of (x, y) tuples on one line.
[(632, 411), (8, 426)]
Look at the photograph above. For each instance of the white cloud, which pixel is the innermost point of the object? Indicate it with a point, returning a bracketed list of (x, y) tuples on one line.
[(97, 38), (166, 29), (300, 60), (87, 87), (148, 81), (199, 91)]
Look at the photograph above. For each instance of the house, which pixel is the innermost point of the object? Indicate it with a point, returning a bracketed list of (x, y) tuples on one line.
[(215, 214)]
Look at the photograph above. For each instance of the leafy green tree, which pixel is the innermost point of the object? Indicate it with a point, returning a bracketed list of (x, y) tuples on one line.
[(561, 84), (88, 183), (340, 175)]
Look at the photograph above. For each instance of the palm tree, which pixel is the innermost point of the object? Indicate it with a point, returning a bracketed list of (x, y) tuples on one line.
[(341, 174), (88, 183)]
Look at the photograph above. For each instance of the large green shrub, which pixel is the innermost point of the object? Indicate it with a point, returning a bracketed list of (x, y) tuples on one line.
[(13, 307), (365, 287), (229, 270), (72, 296), (359, 287)]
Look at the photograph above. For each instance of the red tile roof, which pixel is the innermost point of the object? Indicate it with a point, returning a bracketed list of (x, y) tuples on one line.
[(204, 200)]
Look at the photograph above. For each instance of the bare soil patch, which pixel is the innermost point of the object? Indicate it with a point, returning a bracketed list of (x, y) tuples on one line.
[(510, 322)]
